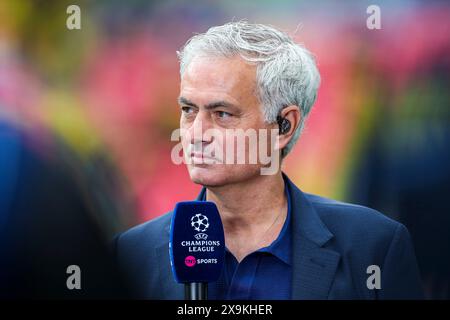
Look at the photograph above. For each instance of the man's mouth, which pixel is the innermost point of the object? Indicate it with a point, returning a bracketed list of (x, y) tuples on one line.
[(201, 158)]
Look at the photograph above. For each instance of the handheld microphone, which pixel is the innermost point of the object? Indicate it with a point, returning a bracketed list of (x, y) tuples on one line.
[(197, 246)]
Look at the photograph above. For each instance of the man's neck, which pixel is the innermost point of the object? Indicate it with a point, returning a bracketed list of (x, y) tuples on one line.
[(248, 210)]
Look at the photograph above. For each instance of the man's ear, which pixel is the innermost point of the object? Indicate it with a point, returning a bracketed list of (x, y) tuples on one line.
[(292, 114)]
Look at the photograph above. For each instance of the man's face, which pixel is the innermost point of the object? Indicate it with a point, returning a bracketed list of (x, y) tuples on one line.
[(218, 95)]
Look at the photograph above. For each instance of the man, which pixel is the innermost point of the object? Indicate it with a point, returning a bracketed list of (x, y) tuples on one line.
[(281, 243)]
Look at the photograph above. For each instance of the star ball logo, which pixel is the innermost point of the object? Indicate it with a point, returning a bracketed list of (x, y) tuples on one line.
[(200, 224)]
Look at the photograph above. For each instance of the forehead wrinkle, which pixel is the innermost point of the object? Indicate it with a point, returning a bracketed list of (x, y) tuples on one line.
[(228, 77)]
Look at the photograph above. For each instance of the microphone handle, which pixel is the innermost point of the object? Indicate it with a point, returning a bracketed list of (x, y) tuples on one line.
[(196, 291)]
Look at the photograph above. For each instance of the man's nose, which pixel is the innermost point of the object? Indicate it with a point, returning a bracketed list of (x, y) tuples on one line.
[(199, 128)]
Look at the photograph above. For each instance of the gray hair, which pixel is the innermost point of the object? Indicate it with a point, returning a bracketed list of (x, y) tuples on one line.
[(286, 72)]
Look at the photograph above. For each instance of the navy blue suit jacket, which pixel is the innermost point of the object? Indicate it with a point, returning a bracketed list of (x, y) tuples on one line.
[(333, 245)]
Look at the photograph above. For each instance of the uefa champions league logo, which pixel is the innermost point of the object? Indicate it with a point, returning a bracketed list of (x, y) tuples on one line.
[(200, 224)]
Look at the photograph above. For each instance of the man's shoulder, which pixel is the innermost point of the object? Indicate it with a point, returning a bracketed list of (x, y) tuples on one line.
[(352, 219), (151, 231), (366, 237)]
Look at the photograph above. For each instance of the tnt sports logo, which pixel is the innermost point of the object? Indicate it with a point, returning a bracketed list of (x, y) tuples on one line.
[(199, 222), (190, 261)]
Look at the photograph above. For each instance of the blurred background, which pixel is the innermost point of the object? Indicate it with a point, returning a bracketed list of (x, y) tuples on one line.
[(97, 106)]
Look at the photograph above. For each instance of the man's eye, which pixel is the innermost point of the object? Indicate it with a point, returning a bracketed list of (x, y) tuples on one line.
[(186, 110), (223, 114)]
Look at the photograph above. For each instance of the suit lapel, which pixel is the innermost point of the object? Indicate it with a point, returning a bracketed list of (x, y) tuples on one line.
[(313, 270), (314, 266)]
